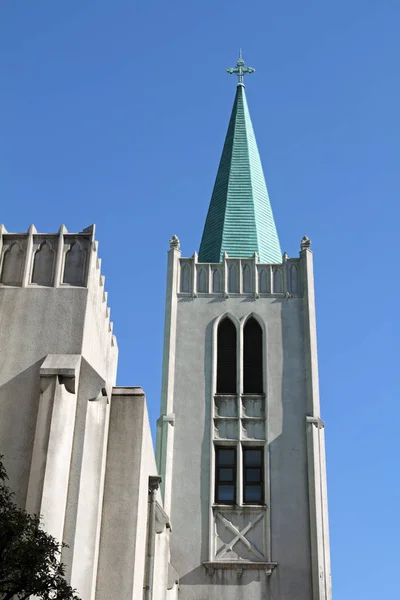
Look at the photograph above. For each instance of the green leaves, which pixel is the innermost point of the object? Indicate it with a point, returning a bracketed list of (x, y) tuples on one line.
[(29, 557)]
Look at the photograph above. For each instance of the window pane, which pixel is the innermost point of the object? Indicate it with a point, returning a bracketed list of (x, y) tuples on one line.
[(253, 358), (226, 358), (252, 458), (226, 457), (226, 493), (225, 475), (253, 493), (253, 475)]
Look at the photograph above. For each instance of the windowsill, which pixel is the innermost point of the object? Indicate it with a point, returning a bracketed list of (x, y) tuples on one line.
[(239, 506), (239, 566)]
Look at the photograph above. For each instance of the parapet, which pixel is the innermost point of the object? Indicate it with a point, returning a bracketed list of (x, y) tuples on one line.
[(60, 260), (239, 276)]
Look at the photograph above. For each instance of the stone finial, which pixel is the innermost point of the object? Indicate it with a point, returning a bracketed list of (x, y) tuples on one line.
[(285, 257), (305, 243), (174, 243)]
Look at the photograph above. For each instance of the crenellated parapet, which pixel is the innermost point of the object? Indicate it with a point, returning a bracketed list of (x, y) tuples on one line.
[(240, 276), (60, 260)]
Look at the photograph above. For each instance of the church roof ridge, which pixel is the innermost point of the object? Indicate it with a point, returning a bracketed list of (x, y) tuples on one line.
[(240, 219)]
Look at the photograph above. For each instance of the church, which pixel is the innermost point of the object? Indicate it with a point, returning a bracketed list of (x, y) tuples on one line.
[(232, 504)]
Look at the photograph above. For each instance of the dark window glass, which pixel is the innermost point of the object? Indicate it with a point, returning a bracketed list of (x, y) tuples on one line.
[(225, 475), (253, 358), (226, 358), (253, 475)]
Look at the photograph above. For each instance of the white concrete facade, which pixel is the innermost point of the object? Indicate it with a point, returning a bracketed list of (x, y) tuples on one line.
[(77, 449), (280, 549)]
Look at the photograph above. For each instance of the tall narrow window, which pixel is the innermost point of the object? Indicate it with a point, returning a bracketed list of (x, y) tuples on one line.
[(253, 475), (226, 358), (225, 475), (253, 358)]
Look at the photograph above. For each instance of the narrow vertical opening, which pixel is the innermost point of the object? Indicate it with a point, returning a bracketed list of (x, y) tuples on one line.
[(253, 475), (225, 475), (253, 358), (226, 357)]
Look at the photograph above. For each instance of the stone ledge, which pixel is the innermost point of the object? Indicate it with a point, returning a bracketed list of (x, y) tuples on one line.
[(239, 566)]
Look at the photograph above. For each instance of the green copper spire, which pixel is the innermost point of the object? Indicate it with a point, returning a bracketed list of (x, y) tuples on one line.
[(240, 220)]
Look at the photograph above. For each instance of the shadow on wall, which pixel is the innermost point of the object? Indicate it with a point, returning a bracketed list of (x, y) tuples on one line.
[(19, 402)]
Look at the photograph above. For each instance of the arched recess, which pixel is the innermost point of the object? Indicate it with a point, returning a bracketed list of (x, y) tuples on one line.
[(11, 270), (43, 265), (263, 282), (226, 379), (253, 356), (247, 287), (233, 279), (202, 281), (75, 263), (185, 278), (216, 281), (294, 288), (278, 283)]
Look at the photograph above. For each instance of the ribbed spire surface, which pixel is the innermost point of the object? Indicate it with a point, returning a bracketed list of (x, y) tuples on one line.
[(240, 220)]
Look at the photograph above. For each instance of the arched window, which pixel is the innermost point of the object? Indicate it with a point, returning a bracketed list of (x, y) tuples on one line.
[(253, 358), (226, 357)]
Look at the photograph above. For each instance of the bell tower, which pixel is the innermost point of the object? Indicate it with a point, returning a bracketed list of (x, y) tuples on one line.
[(240, 440)]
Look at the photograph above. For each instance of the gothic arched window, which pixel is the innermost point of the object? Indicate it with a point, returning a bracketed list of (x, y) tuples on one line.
[(226, 357), (253, 358)]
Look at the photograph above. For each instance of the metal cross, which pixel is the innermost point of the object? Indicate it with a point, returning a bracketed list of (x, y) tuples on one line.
[(240, 70)]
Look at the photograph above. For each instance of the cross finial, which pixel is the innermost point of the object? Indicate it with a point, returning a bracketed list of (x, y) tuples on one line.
[(240, 70)]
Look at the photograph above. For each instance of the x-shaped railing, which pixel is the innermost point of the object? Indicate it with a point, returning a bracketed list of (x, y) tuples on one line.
[(240, 536)]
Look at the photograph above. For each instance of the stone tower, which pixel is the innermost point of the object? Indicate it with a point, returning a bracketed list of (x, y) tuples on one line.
[(240, 441)]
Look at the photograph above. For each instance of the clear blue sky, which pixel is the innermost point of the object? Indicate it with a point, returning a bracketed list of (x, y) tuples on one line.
[(114, 113)]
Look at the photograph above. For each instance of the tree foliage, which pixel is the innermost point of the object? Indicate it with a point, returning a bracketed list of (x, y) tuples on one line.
[(30, 562)]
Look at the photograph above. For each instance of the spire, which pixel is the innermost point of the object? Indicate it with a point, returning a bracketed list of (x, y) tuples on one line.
[(240, 220)]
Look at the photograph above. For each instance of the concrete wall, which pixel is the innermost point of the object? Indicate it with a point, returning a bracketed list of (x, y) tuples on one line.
[(57, 366), (130, 461), (185, 453)]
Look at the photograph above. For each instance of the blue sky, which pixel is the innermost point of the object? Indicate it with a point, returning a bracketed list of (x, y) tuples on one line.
[(115, 113)]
